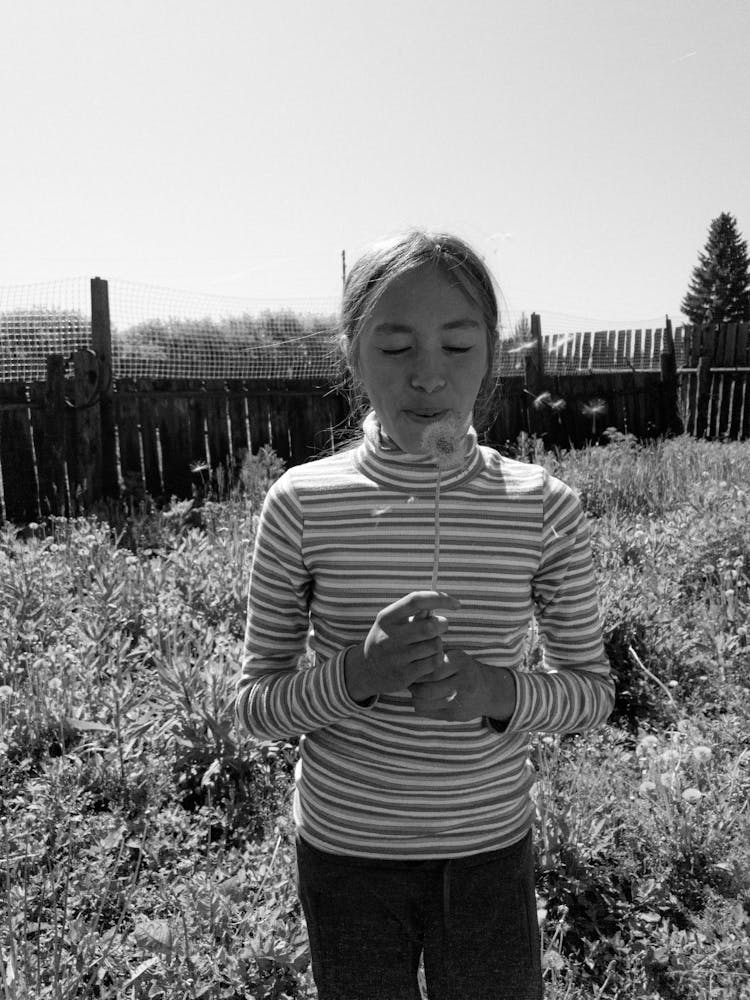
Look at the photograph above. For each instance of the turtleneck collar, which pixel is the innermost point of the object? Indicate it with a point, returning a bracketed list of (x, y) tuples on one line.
[(380, 459)]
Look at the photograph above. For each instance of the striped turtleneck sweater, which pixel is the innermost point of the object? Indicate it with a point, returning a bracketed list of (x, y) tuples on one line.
[(341, 538)]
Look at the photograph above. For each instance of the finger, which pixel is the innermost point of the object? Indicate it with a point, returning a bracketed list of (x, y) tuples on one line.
[(426, 658), (442, 669), (421, 629), (444, 691), (419, 600)]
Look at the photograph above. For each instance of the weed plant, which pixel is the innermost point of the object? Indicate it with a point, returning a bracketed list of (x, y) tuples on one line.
[(146, 848)]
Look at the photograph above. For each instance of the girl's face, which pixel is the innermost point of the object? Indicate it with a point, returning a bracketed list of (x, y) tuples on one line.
[(422, 355)]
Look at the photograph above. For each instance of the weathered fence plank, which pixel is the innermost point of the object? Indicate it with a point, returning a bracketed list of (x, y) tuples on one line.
[(86, 470), (55, 494), (18, 485), (147, 407)]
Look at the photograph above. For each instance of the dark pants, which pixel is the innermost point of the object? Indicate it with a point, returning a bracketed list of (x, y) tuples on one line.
[(474, 919)]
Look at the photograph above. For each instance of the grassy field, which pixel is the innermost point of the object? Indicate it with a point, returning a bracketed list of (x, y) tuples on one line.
[(146, 850)]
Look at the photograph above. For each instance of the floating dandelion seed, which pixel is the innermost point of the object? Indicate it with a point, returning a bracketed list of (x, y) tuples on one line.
[(593, 410), (543, 399), (521, 347)]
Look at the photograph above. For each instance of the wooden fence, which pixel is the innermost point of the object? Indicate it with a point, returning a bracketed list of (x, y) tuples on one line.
[(80, 435)]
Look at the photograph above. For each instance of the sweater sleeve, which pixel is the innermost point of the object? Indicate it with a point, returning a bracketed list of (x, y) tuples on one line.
[(574, 690), (276, 697)]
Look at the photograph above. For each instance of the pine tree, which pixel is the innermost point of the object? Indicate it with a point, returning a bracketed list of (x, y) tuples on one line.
[(719, 290)]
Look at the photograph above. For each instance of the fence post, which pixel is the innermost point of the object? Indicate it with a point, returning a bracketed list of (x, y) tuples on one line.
[(668, 367), (101, 339), (702, 395), (87, 374), (534, 369), (53, 486)]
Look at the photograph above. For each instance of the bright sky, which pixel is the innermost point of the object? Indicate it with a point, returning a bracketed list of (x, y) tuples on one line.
[(235, 147)]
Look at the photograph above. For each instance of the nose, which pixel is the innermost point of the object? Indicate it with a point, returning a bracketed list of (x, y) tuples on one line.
[(427, 374)]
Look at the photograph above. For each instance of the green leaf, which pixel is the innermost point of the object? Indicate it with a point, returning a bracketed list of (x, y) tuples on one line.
[(154, 935)]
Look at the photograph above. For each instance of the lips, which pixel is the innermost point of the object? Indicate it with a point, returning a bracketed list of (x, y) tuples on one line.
[(425, 414)]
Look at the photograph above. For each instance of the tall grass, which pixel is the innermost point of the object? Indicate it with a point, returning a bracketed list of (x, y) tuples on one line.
[(146, 848)]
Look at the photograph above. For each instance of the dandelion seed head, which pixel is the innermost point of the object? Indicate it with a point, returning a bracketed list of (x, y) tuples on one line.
[(692, 795), (442, 441)]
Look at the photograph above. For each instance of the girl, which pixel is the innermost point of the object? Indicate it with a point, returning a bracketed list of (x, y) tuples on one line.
[(412, 802)]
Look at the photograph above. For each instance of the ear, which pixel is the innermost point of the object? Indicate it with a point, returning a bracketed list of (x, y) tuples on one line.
[(342, 342)]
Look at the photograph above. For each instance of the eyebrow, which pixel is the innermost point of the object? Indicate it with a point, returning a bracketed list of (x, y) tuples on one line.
[(455, 324)]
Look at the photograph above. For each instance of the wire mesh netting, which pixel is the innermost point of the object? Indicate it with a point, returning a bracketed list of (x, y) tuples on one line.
[(160, 333), (598, 350), (39, 320), (578, 344), (164, 333)]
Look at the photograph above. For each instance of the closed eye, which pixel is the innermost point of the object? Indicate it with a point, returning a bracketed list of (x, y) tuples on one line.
[(402, 350)]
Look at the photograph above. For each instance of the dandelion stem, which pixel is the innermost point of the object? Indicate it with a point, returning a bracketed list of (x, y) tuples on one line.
[(639, 663), (436, 552)]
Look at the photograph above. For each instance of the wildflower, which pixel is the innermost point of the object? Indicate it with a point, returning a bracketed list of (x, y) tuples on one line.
[(646, 788), (692, 795), (670, 757), (647, 744), (702, 754)]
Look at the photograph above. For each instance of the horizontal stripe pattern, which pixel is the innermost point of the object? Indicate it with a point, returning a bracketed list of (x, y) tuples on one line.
[(341, 538)]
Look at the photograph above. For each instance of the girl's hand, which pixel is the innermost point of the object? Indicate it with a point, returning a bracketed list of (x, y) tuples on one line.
[(462, 688), (401, 647)]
